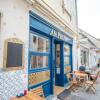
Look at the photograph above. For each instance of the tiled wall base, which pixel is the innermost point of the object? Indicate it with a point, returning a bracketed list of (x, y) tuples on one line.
[(12, 83)]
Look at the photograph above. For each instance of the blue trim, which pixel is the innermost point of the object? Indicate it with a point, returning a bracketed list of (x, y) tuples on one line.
[(67, 65), (38, 70), (46, 89), (38, 54), (67, 55), (43, 28), (71, 59), (62, 62), (40, 23), (39, 84), (51, 65)]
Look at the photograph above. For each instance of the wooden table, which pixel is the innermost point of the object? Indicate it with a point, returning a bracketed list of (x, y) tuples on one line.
[(80, 74), (29, 96)]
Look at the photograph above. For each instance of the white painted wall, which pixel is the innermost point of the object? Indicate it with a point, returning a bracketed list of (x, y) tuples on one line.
[(92, 53), (93, 58), (14, 23), (75, 55), (56, 5)]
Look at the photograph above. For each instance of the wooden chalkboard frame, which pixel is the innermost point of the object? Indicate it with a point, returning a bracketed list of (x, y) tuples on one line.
[(12, 40)]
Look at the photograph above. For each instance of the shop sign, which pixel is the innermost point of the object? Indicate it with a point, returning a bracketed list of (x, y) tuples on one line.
[(58, 35)]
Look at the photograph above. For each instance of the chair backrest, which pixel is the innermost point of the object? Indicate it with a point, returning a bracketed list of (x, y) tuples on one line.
[(97, 75), (38, 91)]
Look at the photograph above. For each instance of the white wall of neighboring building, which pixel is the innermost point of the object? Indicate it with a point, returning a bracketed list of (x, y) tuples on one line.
[(93, 58), (87, 43), (98, 57)]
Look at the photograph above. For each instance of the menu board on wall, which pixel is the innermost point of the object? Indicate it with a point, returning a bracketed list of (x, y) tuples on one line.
[(14, 54)]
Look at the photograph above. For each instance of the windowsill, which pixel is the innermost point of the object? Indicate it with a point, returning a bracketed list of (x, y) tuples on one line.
[(11, 69)]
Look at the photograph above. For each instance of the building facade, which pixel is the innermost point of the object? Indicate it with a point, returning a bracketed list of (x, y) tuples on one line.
[(88, 50), (37, 44), (98, 56)]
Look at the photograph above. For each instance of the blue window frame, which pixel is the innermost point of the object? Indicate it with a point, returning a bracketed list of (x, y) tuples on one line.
[(66, 54), (39, 51), (67, 58)]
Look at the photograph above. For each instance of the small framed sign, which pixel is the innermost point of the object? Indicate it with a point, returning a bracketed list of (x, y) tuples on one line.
[(13, 54)]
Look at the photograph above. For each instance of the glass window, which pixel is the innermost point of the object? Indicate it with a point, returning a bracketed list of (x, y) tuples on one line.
[(39, 61), (66, 50), (38, 44), (58, 55), (66, 60), (84, 57), (66, 54)]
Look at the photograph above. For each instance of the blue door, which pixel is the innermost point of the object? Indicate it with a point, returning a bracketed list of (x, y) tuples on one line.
[(57, 63)]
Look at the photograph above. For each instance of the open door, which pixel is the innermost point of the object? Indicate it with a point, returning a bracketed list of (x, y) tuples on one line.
[(57, 63)]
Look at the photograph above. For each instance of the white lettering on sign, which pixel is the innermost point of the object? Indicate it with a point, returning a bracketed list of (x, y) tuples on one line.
[(58, 34)]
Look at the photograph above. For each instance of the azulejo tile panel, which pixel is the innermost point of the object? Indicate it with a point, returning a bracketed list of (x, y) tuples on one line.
[(12, 83)]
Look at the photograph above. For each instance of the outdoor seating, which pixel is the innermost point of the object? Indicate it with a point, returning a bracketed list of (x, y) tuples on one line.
[(72, 81), (90, 84), (81, 77)]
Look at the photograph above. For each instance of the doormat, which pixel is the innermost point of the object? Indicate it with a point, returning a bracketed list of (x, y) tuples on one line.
[(66, 95)]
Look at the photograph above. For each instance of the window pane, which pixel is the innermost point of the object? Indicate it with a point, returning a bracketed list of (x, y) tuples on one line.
[(66, 50), (38, 44), (57, 55), (39, 61), (66, 60), (34, 62)]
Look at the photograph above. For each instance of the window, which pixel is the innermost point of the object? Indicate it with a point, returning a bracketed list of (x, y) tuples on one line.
[(67, 4), (58, 55), (66, 54), (67, 7), (84, 57), (39, 46), (39, 61), (66, 50)]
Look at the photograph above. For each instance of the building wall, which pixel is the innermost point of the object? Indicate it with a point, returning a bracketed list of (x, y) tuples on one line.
[(70, 6), (98, 58), (86, 43), (93, 58), (15, 23)]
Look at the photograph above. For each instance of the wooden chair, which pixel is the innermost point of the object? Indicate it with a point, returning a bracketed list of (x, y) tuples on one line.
[(38, 91), (90, 84), (72, 81)]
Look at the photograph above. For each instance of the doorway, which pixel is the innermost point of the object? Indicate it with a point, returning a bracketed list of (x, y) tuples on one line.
[(56, 60), (57, 63)]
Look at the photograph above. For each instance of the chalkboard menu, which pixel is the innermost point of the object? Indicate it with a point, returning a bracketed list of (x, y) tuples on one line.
[(14, 54)]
